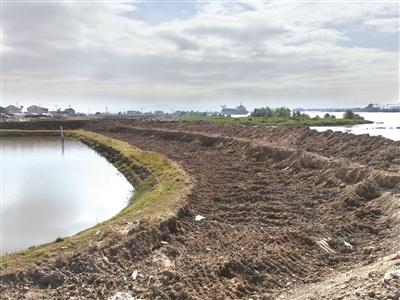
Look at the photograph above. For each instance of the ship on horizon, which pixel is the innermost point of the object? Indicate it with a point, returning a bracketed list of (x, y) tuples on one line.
[(239, 110)]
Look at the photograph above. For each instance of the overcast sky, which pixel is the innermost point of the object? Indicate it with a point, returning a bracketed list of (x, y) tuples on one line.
[(198, 55)]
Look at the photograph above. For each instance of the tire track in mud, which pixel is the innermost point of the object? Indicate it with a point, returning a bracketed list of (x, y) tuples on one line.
[(293, 222)]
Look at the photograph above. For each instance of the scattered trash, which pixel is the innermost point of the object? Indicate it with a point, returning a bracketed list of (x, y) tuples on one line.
[(164, 243), (348, 245), (324, 245), (125, 230), (199, 218), (122, 296), (129, 226), (134, 274)]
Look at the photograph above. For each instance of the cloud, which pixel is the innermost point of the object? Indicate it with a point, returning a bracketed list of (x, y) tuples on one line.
[(89, 54), (182, 43), (384, 24)]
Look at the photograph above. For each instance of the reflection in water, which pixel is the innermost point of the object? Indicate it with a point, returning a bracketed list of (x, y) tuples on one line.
[(62, 139), (385, 124), (46, 195)]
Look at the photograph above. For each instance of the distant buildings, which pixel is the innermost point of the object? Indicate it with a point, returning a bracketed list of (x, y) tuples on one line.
[(372, 107), (379, 108), (34, 109), (393, 107), (133, 113), (158, 113), (239, 110), (12, 110)]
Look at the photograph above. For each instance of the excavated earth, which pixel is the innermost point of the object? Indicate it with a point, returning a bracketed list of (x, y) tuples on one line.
[(289, 213)]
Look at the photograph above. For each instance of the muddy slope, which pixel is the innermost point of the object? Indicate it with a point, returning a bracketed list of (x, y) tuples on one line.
[(288, 212)]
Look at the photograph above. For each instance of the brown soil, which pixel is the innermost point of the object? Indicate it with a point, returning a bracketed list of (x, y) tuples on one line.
[(289, 213)]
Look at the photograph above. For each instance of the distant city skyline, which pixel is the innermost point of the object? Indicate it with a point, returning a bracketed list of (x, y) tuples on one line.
[(183, 55)]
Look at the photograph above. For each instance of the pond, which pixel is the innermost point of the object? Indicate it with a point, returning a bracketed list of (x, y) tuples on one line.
[(49, 191)]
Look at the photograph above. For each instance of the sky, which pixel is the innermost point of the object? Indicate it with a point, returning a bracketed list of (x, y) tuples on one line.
[(198, 55)]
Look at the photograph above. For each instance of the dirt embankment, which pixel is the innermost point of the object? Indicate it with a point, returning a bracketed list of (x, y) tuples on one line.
[(288, 212)]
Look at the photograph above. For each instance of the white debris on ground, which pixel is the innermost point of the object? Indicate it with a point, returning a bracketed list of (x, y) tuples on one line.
[(390, 275), (122, 296), (105, 258), (134, 274), (323, 243), (348, 245), (199, 218), (126, 228)]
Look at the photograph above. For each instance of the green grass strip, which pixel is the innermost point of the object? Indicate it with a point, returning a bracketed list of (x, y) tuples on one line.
[(157, 196), (262, 121)]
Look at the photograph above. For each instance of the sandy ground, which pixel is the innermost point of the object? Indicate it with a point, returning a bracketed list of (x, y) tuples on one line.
[(275, 213)]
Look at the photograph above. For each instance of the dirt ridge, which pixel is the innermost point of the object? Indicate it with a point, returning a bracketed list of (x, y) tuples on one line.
[(285, 212)]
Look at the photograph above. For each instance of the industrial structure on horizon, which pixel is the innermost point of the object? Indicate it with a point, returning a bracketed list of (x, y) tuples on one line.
[(381, 108), (239, 110), (372, 107)]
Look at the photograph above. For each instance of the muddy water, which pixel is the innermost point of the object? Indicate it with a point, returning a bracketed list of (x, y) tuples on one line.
[(49, 192)]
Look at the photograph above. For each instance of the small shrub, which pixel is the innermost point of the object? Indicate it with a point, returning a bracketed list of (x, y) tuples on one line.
[(59, 239)]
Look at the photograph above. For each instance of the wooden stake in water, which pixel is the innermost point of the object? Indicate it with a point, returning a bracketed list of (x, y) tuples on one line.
[(62, 133), (62, 139)]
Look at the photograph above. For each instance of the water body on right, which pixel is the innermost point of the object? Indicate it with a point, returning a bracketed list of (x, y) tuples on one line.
[(386, 124)]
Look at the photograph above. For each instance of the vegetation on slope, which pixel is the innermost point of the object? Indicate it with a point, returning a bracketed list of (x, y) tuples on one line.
[(160, 187)]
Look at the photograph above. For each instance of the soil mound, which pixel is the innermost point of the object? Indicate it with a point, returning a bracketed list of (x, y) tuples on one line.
[(274, 213)]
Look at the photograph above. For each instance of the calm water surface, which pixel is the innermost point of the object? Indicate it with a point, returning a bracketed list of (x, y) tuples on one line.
[(47, 194), (385, 124)]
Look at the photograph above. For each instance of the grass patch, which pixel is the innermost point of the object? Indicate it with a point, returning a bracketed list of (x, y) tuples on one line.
[(157, 195), (262, 121)]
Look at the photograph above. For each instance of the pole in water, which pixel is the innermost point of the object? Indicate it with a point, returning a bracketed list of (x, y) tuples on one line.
[(62, 133), (62, 139)]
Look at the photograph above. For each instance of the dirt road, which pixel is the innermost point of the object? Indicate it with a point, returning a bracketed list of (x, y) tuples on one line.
[(274, 213)]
